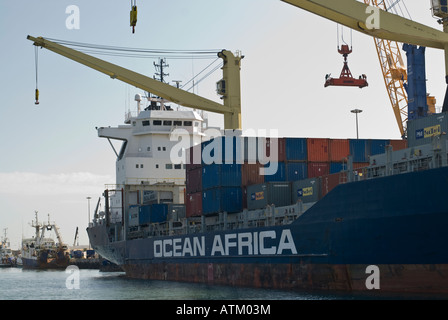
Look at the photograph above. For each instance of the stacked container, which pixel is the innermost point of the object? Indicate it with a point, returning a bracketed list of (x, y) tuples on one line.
[(306, 169), (193, 189)]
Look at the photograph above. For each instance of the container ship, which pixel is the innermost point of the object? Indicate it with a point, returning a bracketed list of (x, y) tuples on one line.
[(269, 212)]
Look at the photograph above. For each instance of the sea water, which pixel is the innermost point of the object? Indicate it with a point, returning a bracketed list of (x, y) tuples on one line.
[(86, 284)]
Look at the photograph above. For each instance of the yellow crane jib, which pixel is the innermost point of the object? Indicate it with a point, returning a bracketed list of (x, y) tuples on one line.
[(231, 109)]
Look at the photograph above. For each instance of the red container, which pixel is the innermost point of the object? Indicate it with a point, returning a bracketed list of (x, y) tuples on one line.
[(339, 149), (268, 145), (318, 150), (250, 174), (193, 204), (318, 169), (399, 144), (194, 157), (330, 181), (194, 180)]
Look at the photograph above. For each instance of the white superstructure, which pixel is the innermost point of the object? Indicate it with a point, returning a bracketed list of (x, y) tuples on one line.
[(152, 155)]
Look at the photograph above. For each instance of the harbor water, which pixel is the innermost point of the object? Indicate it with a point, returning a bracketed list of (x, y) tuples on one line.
[(88, 284)]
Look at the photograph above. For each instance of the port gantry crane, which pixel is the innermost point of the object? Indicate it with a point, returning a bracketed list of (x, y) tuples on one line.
[(394, 73), (228, 87), (391, 28)]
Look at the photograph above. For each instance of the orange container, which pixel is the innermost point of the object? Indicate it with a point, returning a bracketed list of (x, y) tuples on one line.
[(399, 144), (339, 149), (318, 150)]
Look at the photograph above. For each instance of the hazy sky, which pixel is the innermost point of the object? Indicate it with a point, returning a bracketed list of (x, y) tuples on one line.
[(52, 158)]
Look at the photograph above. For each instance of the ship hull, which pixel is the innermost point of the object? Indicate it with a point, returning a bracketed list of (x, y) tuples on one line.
[(43, 262), (396, 224)]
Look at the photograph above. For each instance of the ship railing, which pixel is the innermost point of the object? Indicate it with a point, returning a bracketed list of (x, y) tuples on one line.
[(154, 181)]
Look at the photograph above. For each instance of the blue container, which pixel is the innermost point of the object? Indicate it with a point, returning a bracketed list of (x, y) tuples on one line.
[(378, 146), (359, 149), (336, 167), (144, 215), (296, 171), (296, 149), (221, 175), (279, 175), (159, 212), (228, 199)]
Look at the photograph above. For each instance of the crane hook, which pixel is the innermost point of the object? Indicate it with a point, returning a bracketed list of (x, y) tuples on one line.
[(37, 97), (133, 15)]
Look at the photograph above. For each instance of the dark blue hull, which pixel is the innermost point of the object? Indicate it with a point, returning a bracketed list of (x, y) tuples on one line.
[(398, 224)]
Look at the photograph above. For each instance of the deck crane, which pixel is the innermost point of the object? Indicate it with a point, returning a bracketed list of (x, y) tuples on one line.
[(391, 27), (228, 87)]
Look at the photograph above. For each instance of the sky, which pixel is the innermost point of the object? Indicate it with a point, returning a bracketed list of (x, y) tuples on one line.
[(52, 158)]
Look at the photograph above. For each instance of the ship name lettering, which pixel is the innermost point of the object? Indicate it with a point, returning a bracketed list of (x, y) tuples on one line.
[(179, 247), (256, 243)]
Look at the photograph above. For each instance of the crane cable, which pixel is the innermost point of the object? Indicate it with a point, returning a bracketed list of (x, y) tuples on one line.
[(36, 61)]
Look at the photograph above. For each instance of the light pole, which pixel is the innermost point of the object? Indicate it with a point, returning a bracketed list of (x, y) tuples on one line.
[(88, 212), (356, 111)]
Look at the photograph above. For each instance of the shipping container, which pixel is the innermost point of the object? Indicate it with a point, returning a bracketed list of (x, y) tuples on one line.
[(159, 212), (307, 190), (277, 175), (329, 182), (193, 180), (144, 215), (422, 131), (296, 171), (378, 146), (296, 149), (176, 212), (318, 169), (221, 175), (193, 204), (318, 150), (273, 149), (251, 149), (133, 215), (339, 149), (336, 167), (399, 144), (194, 157), (268, 193), (250, 174), (359, 149), (222, 199)]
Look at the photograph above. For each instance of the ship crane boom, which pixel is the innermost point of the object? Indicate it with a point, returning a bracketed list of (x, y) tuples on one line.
[(229, 86)]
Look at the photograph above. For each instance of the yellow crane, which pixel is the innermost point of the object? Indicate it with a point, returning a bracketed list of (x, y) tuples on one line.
[(228, 87), (389, 27), (394, 73)]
